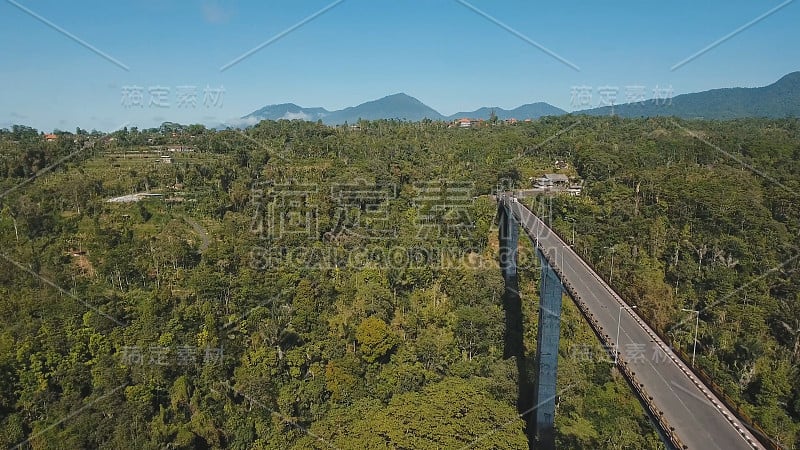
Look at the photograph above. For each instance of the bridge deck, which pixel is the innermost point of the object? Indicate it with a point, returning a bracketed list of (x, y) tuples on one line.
[(701, 420)]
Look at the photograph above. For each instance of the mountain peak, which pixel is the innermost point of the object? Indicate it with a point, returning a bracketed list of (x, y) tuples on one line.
[(399, 97), (790, 80), (396, 106)]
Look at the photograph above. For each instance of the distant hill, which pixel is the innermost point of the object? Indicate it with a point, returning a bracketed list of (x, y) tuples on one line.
[(288, 111), (396, 106), (529, 111), (780, 99)]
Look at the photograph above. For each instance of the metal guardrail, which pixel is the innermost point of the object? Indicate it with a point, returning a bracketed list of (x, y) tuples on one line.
[(667, 430), (702, 379), (697, 376), (730, 403)]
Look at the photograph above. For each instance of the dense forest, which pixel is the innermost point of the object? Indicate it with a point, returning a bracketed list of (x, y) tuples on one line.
[(296, 285)]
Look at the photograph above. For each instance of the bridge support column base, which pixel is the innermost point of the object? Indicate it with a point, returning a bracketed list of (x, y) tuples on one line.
[(550, 294)]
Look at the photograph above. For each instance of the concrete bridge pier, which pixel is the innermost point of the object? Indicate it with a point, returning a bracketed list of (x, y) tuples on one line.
[(536, 402), (509, 242), (550, 294)]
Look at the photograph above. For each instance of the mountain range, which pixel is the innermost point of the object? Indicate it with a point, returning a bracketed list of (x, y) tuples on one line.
[(397, 106), (780, 99)]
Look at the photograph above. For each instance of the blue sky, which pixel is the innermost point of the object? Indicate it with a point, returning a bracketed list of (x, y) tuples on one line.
[(441, 52)]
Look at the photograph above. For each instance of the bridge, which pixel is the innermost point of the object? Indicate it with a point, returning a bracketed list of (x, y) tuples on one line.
[(686, 412)]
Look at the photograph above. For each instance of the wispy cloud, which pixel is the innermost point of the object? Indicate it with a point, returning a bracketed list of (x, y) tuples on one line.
[(242, 122), (214, 13), (300, 115)]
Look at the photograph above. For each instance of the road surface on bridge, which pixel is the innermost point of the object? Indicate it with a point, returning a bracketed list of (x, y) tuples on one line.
[(700, 419)]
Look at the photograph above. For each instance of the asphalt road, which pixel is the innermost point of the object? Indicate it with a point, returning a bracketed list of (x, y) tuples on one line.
[(701, 420)]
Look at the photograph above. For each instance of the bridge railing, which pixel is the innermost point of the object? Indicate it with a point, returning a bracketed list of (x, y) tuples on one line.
[(718, 391), (667, 430), (732, 404)]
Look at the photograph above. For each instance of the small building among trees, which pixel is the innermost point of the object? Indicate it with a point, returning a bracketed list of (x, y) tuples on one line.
[(552, 180)]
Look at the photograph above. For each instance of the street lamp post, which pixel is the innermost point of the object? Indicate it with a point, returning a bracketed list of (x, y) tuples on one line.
[(611, 273), (696, 327), (571, 219), (616, 343)]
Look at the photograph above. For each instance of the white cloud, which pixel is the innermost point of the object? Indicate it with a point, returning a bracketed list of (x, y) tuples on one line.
[(242, 122), (294, 116), (214, 13)]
